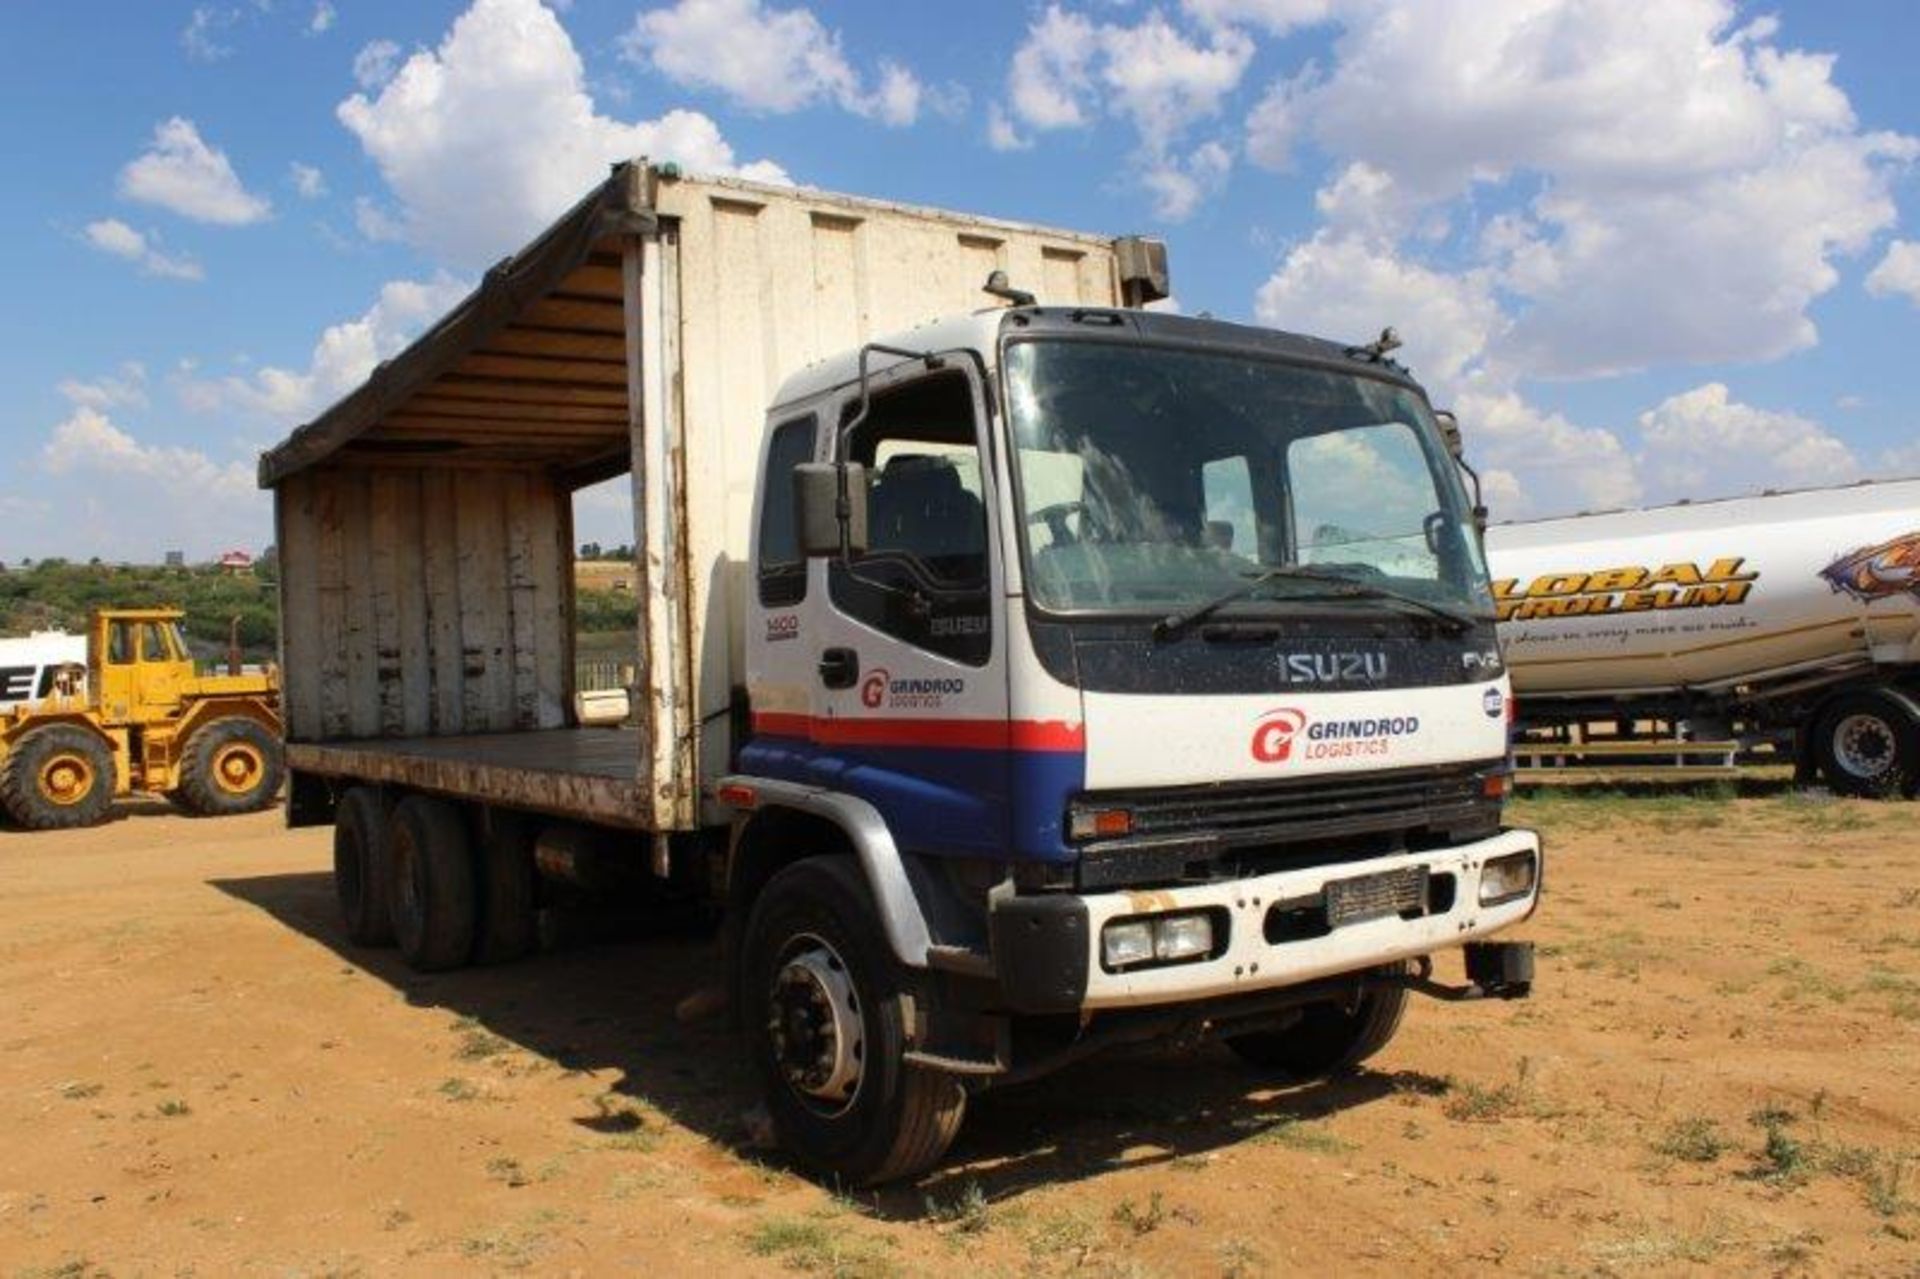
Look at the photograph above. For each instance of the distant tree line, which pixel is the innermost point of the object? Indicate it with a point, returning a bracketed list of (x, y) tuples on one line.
[(57, 595)]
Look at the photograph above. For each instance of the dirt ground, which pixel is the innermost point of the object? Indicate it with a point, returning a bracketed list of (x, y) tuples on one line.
[(199, 1076)]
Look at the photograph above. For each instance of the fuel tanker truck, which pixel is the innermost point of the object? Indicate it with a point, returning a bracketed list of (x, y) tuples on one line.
[(1790, 616)]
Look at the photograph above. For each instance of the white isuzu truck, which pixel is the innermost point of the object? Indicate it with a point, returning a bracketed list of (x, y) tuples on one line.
[(1051, 675), (1793, 615)]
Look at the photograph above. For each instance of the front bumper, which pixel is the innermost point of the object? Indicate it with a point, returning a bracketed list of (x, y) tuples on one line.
[(1046, 947)]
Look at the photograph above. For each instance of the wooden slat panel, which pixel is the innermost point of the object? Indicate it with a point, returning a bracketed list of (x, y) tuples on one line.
[(593, 278), (416, 671), (573, 343), (602, 316), (300, 638), (487, 430), (447, 664), (394, 494), (332, 601), (505, 410), (523, 602), (551, 538), (485, 609), (520, 366), (363, 683), (501, 390)]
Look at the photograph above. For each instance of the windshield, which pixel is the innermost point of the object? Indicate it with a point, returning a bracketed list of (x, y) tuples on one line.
[(1152, 478)]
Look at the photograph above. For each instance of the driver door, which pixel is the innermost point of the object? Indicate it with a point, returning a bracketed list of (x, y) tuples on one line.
[(910, 699)]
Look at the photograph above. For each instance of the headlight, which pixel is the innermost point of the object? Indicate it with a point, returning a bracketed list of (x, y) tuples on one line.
[(1125, 942), (1504, 879), (1163, 939)]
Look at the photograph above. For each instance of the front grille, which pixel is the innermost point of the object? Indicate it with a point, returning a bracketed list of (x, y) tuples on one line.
[(1190, 832)]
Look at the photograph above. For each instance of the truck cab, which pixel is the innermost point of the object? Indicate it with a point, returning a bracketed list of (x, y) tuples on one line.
[(1158, 655)]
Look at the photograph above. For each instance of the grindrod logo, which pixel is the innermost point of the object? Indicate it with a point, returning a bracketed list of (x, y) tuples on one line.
[(1274, 733)]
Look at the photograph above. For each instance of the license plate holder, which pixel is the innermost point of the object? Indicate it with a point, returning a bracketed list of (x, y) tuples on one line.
[(1364, 897)]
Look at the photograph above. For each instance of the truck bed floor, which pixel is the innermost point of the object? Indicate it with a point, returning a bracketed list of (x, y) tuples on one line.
[(589, 773)]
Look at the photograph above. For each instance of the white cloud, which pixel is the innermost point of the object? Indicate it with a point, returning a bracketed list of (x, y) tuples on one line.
[(765, 59), (111, 235), (126, 388), (307, 180), (1687, 185), (322, 19), (120, 484), (1278, 17), (492, 134), (343, 357), (1898, 272), (1179, 186), (1070, 70), (180, 172), (1704, 443), (376, 222), (375, 64), (198, 37)]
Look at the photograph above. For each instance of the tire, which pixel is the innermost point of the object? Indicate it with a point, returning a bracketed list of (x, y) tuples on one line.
[(1867, 745), (434, 898), (362, 877), (815, 922), (231, 765), (506, 921), (1328, 1039), (58, 777)]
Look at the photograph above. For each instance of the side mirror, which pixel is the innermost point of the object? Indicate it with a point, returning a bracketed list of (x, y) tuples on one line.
[(828, 518), (1450, 433)]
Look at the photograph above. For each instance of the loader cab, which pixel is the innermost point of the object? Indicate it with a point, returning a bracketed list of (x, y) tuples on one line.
[(140, 661)]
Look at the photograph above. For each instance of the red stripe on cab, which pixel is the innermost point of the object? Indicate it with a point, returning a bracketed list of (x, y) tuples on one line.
[(962, 734)]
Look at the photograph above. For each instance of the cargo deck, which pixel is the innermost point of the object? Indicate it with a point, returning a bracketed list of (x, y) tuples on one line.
[(584, 773)]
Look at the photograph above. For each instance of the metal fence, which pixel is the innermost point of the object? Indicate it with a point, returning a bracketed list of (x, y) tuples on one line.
[(598, 675)]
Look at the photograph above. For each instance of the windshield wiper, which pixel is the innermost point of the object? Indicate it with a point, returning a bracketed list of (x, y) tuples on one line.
[(1340, 587)]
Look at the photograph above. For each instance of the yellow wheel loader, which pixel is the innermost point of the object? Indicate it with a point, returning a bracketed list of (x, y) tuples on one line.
[(138, 719)]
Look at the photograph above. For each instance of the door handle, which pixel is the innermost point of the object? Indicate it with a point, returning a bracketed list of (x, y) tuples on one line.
[(839, 667)]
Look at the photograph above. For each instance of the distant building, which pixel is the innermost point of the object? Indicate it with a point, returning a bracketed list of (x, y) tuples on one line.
[(176, 559), (236, 563)]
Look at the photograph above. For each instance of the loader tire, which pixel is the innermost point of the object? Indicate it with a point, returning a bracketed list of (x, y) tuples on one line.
[(1867, 745), (435, 900), (1329, 1039), (361, 875), (824, 1006), (231, 765), (57, 777)]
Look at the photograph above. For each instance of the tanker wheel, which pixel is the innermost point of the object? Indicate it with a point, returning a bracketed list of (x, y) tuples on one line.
[(57, 777), (232, 765), (1329, 1039), (1867, 745)]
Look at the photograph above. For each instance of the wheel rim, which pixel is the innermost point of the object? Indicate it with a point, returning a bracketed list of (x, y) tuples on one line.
[(1863, 746), (67, 779), (814, 1025), (238, 767)]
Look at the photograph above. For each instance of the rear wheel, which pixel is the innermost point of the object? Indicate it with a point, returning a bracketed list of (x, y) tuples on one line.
[(506, 887), (1329, 1039), (824, 1008), (57, 776), (433, 897), (232, 765), (1867, 745), (361, 876)]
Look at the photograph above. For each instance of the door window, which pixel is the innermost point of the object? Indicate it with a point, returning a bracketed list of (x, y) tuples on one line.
[(925, 576), (783, 570)]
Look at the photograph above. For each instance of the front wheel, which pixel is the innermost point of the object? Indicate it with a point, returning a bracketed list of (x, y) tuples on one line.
[(823, 1006), (1329, 1039), (58, 776), (1867, 745), (231, 765)]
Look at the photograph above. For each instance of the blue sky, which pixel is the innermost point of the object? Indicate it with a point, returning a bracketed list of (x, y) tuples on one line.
[(1647, 251)]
